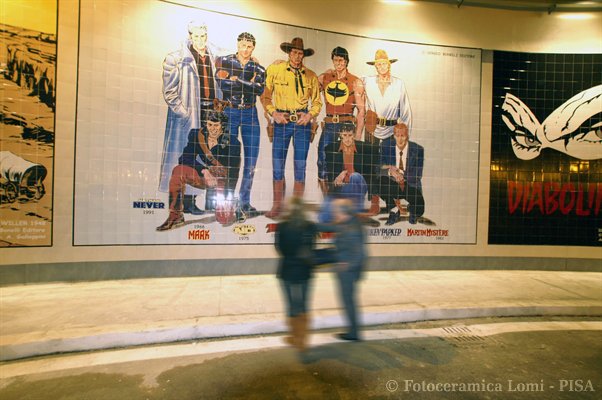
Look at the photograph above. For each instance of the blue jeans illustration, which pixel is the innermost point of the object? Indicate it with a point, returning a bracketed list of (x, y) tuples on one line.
[(355, 190), (329, 135), (283, 133), (247, 120)]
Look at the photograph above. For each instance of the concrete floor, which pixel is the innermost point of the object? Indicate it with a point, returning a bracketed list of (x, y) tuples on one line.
[(65, 317), (517, 358), (221, 338)]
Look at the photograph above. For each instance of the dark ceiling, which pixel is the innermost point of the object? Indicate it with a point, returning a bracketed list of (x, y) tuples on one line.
[(533, 5)]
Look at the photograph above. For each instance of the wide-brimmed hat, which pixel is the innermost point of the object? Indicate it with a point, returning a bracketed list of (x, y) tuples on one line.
[(381, 55), (296, 43)]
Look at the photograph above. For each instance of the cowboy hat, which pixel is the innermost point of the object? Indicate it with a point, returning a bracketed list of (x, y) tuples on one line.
[(296, 43), (381, 55)]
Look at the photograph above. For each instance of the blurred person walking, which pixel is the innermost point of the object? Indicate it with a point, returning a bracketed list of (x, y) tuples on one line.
[(295, 242), (351, 254)]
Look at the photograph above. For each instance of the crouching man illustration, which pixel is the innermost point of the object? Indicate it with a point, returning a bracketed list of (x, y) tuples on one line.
[(352, 166), (216, 172)]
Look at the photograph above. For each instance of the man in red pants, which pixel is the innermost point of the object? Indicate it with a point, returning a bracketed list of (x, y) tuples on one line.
[(219, 169)]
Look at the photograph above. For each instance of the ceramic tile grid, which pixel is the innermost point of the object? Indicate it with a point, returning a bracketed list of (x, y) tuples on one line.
[(563, 202), (122, 117)]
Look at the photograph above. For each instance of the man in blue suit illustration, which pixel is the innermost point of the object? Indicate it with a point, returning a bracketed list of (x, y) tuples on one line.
[(401, 176)]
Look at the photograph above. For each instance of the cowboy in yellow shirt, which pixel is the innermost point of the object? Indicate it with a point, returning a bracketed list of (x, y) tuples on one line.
[(292, 99)]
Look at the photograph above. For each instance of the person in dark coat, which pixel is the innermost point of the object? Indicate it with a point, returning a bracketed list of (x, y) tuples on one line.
[(295, 241)]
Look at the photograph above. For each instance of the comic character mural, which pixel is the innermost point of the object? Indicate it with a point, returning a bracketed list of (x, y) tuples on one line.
[(183, 148), (546, 168), (216, 172), (339, 88), (241, 79), (388, 106), (352, 167), (189, 89), (402, 177), (292, 99), (27, 118), (566, 129)]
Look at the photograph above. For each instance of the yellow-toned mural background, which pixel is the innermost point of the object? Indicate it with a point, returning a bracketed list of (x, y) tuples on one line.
[(28, 96)]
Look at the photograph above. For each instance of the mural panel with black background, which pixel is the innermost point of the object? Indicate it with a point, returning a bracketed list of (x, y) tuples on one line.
[(546, 151)]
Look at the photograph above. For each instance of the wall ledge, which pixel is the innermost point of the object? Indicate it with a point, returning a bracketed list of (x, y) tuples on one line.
[(20, 274)]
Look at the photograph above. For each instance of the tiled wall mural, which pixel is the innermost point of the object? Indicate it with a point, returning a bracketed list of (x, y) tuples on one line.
[(546, 161), (156, 164)]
